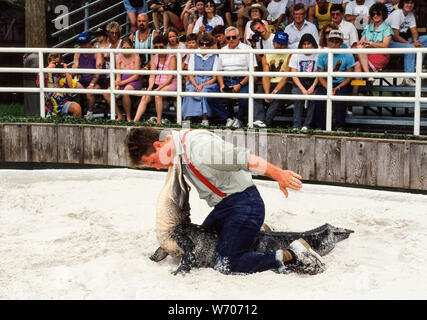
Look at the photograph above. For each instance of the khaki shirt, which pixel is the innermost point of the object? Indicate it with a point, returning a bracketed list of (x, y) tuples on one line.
[(223, 164)]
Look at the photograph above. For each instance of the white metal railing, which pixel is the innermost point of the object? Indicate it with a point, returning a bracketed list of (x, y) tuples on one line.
[(329, 74)]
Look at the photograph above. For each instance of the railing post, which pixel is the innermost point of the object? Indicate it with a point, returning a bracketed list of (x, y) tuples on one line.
[(251, 91), (41, 84), (112, 87), (329, 92), (178, 88), (86, 25), (417, 106)]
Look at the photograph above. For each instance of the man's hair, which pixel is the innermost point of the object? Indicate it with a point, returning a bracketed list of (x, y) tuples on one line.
[(139, 142), (337, 6), (299, 6), (231, 28), (255, 22)]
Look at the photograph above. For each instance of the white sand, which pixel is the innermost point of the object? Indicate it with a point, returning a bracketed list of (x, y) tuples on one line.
[(87, 234)]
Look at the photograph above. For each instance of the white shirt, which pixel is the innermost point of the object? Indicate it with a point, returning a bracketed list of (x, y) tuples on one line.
[(215, 21), (359, 10), (295, 34), (180, 46), (266, 44), (350, 33), (205, 57), (303, 63), (276, 9), (397, 20), (235, 62)]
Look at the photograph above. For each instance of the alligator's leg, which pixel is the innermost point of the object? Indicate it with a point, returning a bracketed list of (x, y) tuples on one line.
[(159, 255), (188, 259)]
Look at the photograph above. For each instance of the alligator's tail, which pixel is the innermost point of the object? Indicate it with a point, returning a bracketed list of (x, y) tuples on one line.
[(321, 239)]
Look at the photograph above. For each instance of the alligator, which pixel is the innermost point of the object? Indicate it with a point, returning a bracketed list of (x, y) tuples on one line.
[(195, 244)]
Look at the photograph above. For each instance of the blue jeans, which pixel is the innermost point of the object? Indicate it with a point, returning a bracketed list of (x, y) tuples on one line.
[(409, 59), (299, 110), (238, 219), (267, 113), (339, 110)]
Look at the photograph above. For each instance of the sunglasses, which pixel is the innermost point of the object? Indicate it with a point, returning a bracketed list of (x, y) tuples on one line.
[(373, 14), (231, 37), (209, 5), (336, 14), (204, 44)]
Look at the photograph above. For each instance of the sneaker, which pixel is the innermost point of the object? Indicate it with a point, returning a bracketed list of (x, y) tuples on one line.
[(305, 259), (165, 121), (259, 124), (229, 122), (152, 120), (237, 123), (409, 82), (304, 128), (205, 123), (89, 115)]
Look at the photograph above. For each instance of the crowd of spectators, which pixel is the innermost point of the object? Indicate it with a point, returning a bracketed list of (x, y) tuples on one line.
[(245, 24)]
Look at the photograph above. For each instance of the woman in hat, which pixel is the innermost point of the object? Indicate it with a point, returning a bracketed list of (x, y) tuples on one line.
[(209, 20), (255, 11)]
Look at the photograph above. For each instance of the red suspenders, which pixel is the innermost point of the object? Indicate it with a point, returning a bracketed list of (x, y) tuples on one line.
[(201, 177)]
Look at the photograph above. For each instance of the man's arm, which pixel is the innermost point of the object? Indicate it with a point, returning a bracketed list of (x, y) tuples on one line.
[(285, 178)]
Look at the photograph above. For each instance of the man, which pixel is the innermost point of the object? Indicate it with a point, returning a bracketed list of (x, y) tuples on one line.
[(143, 38), (406, 35), (308, 5), (277, 63), (342, 62), (265, 37), (351, 37), (299, 27), (357, 12), (234, 62), (88, 61), (238, 207)]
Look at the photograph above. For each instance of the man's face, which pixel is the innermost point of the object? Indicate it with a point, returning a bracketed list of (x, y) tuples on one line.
[(336, 16), (299, 16), (259, 28), (232, 39), (142, 22), (279, 45), (86, 45), (161, 158)]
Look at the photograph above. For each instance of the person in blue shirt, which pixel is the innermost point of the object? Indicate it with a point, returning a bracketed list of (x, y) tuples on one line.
[(342, 62)]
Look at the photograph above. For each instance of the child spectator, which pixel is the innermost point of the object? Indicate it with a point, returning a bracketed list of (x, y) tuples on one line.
[(158, 82), (303, 85), (125, 81), (199, 106), (173, 39)]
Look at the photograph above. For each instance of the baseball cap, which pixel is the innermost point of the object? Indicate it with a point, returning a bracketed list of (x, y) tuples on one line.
[(281, 37), (336, 34), (83, 37)]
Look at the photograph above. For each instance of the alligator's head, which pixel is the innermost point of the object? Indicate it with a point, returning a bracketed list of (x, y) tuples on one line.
[(180, 188)]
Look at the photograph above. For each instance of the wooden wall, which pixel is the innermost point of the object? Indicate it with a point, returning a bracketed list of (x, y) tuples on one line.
[(356, 161)]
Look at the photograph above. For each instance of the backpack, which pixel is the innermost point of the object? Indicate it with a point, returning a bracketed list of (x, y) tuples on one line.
[(136, 3)]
